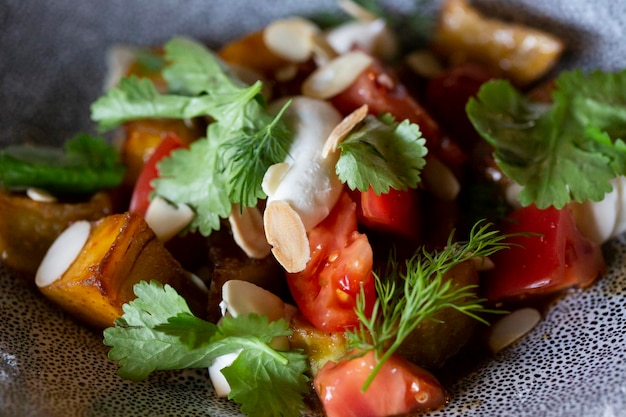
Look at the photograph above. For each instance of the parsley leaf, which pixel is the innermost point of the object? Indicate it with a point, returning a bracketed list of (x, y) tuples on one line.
[(85, 165), (408, 295), (382, 153), (568, 150), (159, 332)]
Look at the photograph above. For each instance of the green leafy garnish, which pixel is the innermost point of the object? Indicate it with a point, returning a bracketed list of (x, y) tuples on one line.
[(567, 150), (159, 332), (382, 153), (408, 296), (84, 166), (242, 142)]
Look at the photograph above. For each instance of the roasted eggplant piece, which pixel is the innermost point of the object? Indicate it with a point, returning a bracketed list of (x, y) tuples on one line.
[(435, 341), (91, 269), (28, 227)]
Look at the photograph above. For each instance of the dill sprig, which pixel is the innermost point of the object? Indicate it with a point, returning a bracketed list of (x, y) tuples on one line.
[(407, 296)]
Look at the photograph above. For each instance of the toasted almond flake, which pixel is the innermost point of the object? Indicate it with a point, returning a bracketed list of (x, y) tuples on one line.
[(357, 11), (323, 51), (440, 180), (119, 58), (512, 327), (286, 73), (242, 298), (42, 196), (374, 37), (342, 130), (62, 253), (286, 234), (248, 232), (291, 38), (166, 219), (273, 176), (337, 75), (424, 63)]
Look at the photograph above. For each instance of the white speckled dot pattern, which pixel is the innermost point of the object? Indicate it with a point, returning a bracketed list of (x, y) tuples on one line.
[(51, 68)]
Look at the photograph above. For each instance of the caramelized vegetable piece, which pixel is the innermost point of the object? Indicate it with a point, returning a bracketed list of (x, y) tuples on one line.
[(251, 52), (141, 137), (434, 341), (120, 251), (318, 345), (28, 227), (519, 53)]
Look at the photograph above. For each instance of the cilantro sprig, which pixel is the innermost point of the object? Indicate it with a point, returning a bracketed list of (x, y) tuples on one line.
[(85, 165), (567, 150), (382, 153), (406, 296), (241, 143), (159, 332)]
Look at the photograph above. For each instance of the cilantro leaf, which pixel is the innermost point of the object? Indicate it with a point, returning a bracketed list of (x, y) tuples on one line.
[(191, 176), (382, 153), (158, 332), (241, 143), (85, 165), (568, 150), (138, 346)]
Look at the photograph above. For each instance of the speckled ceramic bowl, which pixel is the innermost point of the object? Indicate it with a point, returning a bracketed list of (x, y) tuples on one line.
[(51, 69)]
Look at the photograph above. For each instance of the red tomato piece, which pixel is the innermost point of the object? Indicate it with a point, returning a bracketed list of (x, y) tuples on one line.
[(395, 212), (383, 93), (140, 200), (560, 257), (447, 95), (341, 262), (400, 387)]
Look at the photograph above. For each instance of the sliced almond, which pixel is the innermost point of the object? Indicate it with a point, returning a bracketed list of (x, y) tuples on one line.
[(440, 180), (62, 253), (286, 234), (343, 129), (374, 37), (424, 63), (337, 75), (166, 219), (273, 176), (291, 39), (243, 298), (512, 327), (248, 232), (357, 11), (39, 195)]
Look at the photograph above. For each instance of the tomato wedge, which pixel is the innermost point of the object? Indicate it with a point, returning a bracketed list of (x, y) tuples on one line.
[(400, 387), (341, 262), (396, 212), (557, 258), (140, 199), (383, 93)]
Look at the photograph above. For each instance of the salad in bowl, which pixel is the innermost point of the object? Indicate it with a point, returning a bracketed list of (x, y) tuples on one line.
[(375, 212)]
